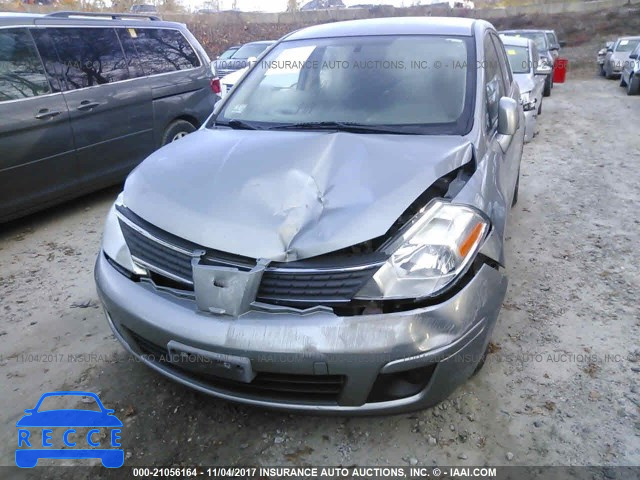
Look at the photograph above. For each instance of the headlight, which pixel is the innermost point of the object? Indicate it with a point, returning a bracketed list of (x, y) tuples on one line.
[(113, 243), (429, 254), (528, 103)]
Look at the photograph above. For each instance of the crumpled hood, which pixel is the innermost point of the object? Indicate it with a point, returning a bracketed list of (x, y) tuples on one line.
[(524, 81), (287, 195)]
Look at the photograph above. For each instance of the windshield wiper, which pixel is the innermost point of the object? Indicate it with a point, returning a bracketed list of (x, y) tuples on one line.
[(238, 125), (343, 127)]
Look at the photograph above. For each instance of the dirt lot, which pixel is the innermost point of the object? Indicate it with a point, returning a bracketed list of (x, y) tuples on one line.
[(560, 387)]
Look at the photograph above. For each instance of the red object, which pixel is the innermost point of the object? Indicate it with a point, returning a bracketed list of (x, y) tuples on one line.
[(560, 70), (215, 86)]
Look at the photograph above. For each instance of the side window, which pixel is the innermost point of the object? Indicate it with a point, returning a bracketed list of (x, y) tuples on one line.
[(162, 50), (493, 83), (507, 74), (89, 56), (21, 72), (130, 53)]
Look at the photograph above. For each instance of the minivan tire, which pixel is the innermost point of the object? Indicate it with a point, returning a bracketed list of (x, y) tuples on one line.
[(177, 130)]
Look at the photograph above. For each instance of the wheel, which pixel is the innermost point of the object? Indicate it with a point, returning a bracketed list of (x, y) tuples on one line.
[(515, 190), (633, 87), (601, 71), (176, 130), (540, 108), (482, 361), (547, 86), (552, 77), (622, 82), (607, 74)]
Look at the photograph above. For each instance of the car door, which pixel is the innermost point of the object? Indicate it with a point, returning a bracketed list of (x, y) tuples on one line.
[(514, 151), (110, 110), (37, 155)]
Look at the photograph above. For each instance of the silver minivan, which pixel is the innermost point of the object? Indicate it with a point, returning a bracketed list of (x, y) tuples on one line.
[(332, 240)]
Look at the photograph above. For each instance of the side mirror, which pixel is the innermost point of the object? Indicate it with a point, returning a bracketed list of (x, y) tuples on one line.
[(634, 56), (508, 117), (562, 43), (609, 49), (252, 60), (543, 70)]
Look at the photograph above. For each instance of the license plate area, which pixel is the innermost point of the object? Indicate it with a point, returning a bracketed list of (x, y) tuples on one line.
[(210, 363)]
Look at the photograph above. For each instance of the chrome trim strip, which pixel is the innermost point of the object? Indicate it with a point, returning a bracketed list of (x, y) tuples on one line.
[(356, 268), (142, 231), (160, 271)]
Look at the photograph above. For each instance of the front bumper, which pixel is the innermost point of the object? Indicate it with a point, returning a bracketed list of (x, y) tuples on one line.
[(446, 340), (530, 124)]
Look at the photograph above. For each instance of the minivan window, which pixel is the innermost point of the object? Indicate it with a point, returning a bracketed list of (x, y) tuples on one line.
[(162, 50), (21, 72), (518, 58), (89, 56), (417, 83)]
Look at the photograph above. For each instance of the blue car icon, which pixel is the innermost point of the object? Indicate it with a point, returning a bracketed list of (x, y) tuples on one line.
[(68, 418)]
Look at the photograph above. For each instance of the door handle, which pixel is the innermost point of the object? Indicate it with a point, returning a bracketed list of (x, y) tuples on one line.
[(45, 114), (87, 105)]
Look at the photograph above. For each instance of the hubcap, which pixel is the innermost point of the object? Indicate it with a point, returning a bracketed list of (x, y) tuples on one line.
[(179, 135)]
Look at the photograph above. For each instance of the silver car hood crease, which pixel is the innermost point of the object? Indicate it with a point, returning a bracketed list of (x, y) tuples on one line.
[(285, 196)]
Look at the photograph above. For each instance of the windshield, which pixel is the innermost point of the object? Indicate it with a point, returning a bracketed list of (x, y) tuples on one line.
[(627, 45), (250, 50), (518, 59), (227, 53), (420, 81), (539, 38)]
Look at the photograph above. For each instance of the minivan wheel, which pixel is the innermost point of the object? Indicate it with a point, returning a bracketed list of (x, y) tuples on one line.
[(177, 130)]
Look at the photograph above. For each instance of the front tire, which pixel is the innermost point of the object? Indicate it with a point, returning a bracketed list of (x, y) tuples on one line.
[(547, 86), (176, 130), (622, 82), (515, 190), (633, 87)]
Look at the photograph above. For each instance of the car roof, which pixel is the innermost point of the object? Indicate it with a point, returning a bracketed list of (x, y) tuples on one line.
[(515, 41), (633, 37), (261, 42), (88, 19), (389, 26), (527, 30)]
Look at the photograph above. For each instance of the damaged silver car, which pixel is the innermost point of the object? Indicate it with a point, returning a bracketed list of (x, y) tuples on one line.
[(332, 240)]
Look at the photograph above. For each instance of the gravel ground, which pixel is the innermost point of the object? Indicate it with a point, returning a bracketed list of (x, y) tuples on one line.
[(560, 386)]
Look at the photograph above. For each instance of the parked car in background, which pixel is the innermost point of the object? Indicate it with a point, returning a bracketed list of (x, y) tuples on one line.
[(525, 64), (85, 97), (228, 53), (601, 57), (240, 58), (554, 43), (618, 55), (630, 75), (144, 8), (301, 252), (545, 49), (227, 82)]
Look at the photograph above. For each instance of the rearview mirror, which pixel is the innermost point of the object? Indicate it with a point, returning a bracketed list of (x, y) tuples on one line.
[(508, 118)]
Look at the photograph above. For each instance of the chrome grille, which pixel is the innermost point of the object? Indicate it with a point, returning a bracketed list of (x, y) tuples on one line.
[(300, 283)]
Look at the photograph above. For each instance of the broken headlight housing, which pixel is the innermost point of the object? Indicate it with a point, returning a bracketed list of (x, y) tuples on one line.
[(429, 253), (113, 243)]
